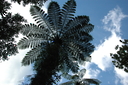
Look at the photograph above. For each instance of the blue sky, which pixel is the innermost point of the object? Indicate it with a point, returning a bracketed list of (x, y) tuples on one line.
[(110, 18)]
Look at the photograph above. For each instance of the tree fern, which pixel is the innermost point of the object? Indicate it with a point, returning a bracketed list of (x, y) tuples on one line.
[(65, 38)]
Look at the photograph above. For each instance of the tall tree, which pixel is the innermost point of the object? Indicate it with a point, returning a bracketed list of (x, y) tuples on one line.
[(59, 41), (120, 59), (77, 79), (9, 27)]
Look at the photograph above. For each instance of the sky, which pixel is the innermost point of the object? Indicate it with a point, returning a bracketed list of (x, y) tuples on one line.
[(110, 18)]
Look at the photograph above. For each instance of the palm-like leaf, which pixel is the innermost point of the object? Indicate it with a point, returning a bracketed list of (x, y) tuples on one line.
[(67, 36), (67, 12), (54, 15), (31, 29), (77, 23), (41, 18), (32, 55), (78, 79), (31, 41), (92, 81)]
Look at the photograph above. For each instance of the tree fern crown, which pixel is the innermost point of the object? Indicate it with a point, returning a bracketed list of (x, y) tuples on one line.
[(61, 29)]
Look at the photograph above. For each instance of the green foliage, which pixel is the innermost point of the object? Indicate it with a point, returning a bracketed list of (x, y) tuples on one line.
[(9, 28), (59, 41), (120, 59)]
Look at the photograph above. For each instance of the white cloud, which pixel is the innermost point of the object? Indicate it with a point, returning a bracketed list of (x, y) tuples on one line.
[(12, 71), (122, 76), (101, 55), (112, 21)]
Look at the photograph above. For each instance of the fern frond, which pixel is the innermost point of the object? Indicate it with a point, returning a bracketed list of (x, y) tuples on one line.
[(78, 37), (63, 63), (67, 76), (68, 83), (44, 36), (54, 15), (67, 12), (41, 18), (79, 52), (64, 68), (78, 30), (31, 29), (92, 81), (73, 65), (30, 41), (34, 30), (87, 28), (81, 73), (76, 56), (67, 62), (74, 23), (31, 56)]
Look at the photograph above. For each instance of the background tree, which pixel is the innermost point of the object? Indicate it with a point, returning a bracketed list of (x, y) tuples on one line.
[(120, 59), (77, 79), (25, 2), (9, 28), (4, 6), (59, 41)]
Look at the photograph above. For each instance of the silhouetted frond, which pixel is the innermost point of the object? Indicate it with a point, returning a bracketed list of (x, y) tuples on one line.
[(31, 56), (30, 42), (75, 24), (41, 18), (54, 15), (67, 76), (67, 12), (81, 73), (31, 29)]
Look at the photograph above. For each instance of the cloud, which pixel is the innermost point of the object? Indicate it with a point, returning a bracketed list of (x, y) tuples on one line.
[(101, 55), (122, 76), (112, 21), (12, 71)]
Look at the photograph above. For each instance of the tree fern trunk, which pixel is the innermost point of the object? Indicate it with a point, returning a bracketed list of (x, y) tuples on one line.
[(46, 72)]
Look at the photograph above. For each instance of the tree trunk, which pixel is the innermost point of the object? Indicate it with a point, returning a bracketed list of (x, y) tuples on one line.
[(46, 72)]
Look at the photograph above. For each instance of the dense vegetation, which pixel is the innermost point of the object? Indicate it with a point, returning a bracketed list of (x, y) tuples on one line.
[(120, 59), (9, 28)]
